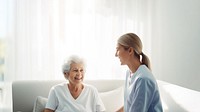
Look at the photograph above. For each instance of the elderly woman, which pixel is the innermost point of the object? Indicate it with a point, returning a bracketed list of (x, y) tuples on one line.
[(74, 96)]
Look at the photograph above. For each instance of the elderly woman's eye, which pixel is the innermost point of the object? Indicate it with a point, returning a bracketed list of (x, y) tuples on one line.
[(75, 70)]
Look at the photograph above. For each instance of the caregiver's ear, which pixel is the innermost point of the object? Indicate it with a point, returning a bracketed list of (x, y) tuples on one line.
[(130, 50)]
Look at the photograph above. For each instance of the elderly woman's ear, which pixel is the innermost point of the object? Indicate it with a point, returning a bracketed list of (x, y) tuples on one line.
[(66, 74)]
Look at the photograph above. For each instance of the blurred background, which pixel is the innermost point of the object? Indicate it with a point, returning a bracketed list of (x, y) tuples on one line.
[(37, 35)]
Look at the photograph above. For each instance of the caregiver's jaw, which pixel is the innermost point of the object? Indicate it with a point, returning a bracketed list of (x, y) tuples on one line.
[(121, 61)]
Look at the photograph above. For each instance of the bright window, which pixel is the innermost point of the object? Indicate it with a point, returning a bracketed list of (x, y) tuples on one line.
[(42, 33)]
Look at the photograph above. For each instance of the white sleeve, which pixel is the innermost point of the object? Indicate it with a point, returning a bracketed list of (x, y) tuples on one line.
[(99, 103), (52, 100)]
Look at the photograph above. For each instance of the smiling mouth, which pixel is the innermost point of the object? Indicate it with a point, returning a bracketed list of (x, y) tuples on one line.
[(78, 78)]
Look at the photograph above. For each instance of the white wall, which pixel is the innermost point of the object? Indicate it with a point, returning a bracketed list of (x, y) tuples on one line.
[(176, 42)]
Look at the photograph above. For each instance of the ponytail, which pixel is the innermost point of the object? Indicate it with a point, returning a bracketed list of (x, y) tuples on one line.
[(145, 60)]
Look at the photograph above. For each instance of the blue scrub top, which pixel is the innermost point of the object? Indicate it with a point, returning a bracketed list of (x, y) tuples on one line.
[(141, 92)]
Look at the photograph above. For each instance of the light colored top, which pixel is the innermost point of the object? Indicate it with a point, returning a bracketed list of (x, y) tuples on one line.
[(61, 100), (141, 92)]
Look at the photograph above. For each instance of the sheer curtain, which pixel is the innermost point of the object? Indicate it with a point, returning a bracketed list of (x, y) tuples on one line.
[(42, 33)]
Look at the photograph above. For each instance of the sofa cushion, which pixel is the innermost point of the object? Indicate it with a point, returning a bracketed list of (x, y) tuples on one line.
[(113, 100), (39, 104)]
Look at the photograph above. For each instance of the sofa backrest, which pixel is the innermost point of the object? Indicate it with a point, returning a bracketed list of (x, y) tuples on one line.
[(24, 92)]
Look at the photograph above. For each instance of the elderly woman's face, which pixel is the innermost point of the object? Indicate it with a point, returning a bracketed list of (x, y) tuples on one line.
[(76, 73)]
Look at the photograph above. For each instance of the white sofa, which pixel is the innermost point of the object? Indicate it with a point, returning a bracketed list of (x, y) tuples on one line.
[(25, 93), (174, 98)]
